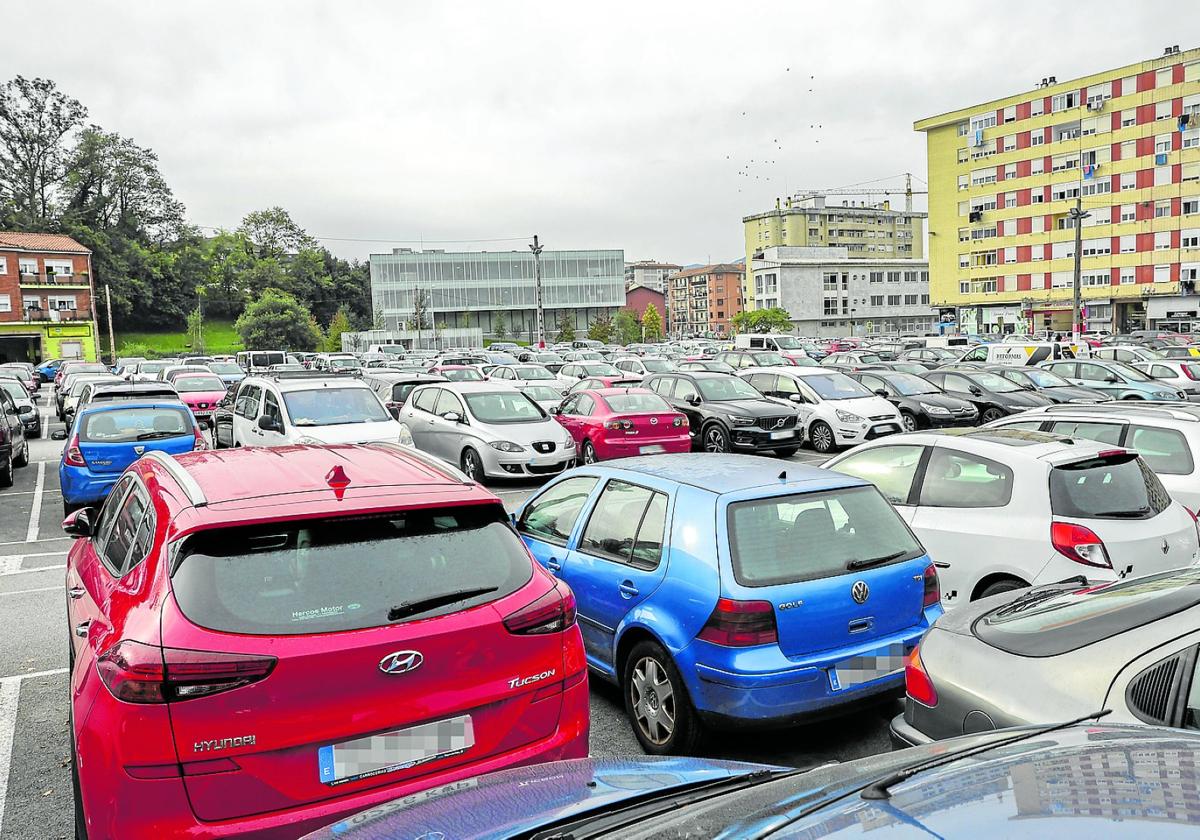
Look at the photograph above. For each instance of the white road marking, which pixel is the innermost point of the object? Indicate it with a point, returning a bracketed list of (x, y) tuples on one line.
[(36, 512), (31, 591), (45, 426), (11, 563), (38, 554), (44, 539), (8, 493), (30, 571), (10, 695)]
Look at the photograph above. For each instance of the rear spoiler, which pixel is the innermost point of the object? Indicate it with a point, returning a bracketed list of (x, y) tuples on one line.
[(1067, 458)]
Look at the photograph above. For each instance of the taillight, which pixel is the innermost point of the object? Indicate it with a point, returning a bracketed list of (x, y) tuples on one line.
[(200, 443), (679, 421), (741, 624), (551, 613), (916, 680), (1187, 371), (933, 588), (140, 673), (73, 457), (614, 425), (1080, 544), (1195, 521)]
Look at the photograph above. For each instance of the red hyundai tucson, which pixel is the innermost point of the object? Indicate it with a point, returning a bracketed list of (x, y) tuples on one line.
[(266, 640)]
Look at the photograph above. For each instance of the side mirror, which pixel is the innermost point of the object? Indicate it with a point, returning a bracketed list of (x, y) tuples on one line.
[(796, 398), (452, 417), (269, 424), (554, 409), (976, 390), (394, 410), (580, 375), (13, 411), (882, 392), (79, 523), (58, 434), (692, 399)]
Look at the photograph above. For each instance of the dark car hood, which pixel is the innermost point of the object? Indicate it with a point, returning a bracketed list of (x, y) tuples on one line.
[(525, 798), (1026, 399), (943, 400), (754, 408), (1063, 393)]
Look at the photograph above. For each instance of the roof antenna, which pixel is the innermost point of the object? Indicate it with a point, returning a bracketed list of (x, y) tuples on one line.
[(783, 475)]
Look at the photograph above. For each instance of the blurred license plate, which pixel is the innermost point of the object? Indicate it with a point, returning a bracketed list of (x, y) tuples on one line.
[(781, 435), (652, 449), (887, 427), (345, 762), (870, 666)]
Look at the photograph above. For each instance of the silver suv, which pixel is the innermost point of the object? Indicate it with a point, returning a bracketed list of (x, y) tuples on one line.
[(489, 429)]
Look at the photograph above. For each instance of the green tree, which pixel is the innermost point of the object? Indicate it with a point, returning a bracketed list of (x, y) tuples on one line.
[(274, 233), (420, 317), (340, 323), (774, 319), (625, 328), (36, 121), (566, 327), (195, 330), (499, 326), (601, 330), (277, 321), (652, 323)]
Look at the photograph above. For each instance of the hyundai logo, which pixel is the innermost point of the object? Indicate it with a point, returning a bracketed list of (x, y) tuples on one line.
[(860, 591), (401, 662)]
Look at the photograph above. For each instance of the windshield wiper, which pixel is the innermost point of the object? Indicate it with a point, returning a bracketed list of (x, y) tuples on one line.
[(1136, 513), (412, 608), (156, 435), (863, 563)]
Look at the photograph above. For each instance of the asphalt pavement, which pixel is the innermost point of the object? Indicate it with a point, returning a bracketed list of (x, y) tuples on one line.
[(35, 781)]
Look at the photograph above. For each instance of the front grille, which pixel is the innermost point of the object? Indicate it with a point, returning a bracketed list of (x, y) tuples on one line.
[(1149, 695), (546, 469), (774, 424), (544, 446), (882, 417)]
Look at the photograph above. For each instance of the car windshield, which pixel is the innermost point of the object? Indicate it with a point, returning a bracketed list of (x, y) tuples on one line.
[(1045, 378), (13, 388), (1130, 373), (994, 383), (129, 425), (549, 358), (224, 367), (542, 393), (908, 385), (503, 407), (600, 370), (658, 365), (344, 364), (185, 384), (769, 360), (785, 539), (534, 373), (836, 386), (502, 359), (634, 403), (867, 358), (330, 575), (334, 406), (726, 388), (588, 356), (786, 342), (942, 353), (464, 374), (150, 367)]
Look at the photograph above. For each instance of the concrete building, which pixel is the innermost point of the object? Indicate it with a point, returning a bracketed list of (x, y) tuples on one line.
[(703, 300), (865, 230), (1004, 175), (829, 293), (476, 289), (46, 303), (648, 273)]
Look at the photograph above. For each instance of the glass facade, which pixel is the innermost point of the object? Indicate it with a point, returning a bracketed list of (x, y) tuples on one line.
[(467, 289)]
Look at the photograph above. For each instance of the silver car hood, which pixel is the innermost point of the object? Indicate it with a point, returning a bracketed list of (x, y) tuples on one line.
[(523, 433)]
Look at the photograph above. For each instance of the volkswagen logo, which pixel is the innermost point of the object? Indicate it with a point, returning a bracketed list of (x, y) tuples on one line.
[(653, 421), (401, 662), (860, 591)]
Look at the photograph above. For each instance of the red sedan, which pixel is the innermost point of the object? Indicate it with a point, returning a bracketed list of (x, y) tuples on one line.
[(621, 422), (262, 646)]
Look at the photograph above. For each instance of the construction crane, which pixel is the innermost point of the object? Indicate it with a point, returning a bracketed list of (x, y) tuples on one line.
[(908, 192)]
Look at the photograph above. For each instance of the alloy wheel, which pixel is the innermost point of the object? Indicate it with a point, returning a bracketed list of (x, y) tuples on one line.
[(653, 696), (714, 440), (822, 437), (589, 453), (471, 465), (991, 414), (910, 422)]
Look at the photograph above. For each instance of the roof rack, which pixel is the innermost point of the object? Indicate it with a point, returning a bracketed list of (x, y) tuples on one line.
[(425, 458), (307, 374), (182, 477), (1175, 411)]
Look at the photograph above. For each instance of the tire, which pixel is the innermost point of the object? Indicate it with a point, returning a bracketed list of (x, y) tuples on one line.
[(910, 421), (471, 465), (1006, 585), (990, 414), (23, 461), (786, 452), (821, 436), (715, 439), (653, 690), (1132, 397), (6, 470), (588, 453), (81, 832)]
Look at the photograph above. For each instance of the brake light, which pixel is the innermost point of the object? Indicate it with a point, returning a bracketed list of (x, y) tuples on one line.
[(1079, 544), (741, 624), (933, 587), (551, 613), (140, 673), (1187, 371), (1195, 521), (613, 425), (679, 421), (73, 457), (200, 443), (917, 683)]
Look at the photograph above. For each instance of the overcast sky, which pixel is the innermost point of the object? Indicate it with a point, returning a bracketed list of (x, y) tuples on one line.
[(595, 125)]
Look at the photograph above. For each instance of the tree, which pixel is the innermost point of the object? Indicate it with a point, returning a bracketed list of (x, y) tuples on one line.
[(625, 328), (195, 330), (340, 323), (274, 233), (499, 326), (566, 327), (277, 321), (774, 319), (652, 323), (420, 310), (601, 330), (35, 122)]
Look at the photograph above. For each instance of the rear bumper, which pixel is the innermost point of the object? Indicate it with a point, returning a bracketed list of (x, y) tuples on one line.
[(80, 487), (627, 448), (904, 735)]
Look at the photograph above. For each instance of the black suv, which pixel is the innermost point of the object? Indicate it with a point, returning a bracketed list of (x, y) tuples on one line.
[(14, 447), (727, 414)]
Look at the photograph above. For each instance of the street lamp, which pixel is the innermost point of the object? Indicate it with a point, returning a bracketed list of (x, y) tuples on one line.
[(1077, 215)]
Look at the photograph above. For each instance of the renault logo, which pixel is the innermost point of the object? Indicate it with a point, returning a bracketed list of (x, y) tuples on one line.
[(860, 591), (1166, 546), (401, 662), (138, 450)]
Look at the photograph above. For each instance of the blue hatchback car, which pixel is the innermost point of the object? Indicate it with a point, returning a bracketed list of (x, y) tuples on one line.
[(106, 438), (728, 590)]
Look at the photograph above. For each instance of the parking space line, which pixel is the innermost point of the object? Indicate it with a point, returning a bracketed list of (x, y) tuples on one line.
[(45, 426), (8, 493), (36, 512), (31, 571), (10, 563), (10, 694), (36, 554), (44, 539), (31, 591)]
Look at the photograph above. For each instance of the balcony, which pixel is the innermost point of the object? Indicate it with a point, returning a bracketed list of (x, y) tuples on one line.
[(52, 316), (33, 279)]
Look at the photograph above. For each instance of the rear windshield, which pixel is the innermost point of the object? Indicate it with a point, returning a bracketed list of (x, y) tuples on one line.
[(184, 384), (266, 359), (786, 539), (127, 425), (1051, 622), (329, 575), (637, 403), (13, 388), (1115, 487), (224, 367), (150, 367), (465, 374), (541, 393)]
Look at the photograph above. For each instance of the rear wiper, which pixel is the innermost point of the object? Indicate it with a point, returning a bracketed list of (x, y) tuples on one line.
[(864, 563), (412, 608), (1136, 513), (156, 435), (1037, 594)]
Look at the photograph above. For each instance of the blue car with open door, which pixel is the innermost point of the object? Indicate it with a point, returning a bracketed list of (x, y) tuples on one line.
[(729, 590), (106, 438)]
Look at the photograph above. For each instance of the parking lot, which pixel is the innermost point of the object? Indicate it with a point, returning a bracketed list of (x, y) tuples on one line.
[(35, 781)]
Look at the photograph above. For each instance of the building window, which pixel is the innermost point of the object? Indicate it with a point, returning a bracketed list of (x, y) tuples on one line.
[(1190, 238), (61, 302), (1162, 110), (830, 281), (1128, 181), (1162, 274), (893, 276), (1037, 107), (964, 287), (31, 302), (27, 266), (831, 306), (1129, 244), (1063, 101), (1128, 277), (963, 128), (925, 299), (1128, 116), (877, 300), (1128, 212), (1162, 240), (910, 300), (1162, 208), (1037, 166), (1037, 137), (5, 303), (893, 300), (3, 265), (1190, 206)]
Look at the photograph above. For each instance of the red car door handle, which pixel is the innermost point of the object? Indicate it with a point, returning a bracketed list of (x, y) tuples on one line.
[(81, 629), (76, 592)]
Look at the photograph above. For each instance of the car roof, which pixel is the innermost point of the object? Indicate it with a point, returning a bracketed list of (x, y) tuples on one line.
[(1013, 443), (306, 383), (489, 387), (133, 387), (728, 473)]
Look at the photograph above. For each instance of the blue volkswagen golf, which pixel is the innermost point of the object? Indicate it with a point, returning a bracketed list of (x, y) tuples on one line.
[(726, 590)]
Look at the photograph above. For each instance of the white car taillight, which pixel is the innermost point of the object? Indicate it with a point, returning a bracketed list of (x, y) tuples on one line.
[(1079, 544)]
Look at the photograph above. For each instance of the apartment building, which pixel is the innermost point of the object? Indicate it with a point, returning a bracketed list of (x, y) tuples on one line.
[(702, 301), (46, 302), (649, 274), (1005, 174)]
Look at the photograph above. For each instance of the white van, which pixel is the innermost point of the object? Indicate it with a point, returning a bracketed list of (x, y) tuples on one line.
[(1016, 355), (785, 345), (259, 361)]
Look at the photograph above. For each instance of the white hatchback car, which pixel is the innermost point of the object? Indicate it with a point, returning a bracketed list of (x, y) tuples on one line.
[(833, 409), (308, 407), (1182, 374), (1004, 509)]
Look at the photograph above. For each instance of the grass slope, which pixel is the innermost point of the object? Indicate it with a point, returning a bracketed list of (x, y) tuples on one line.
[(219, 337)]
